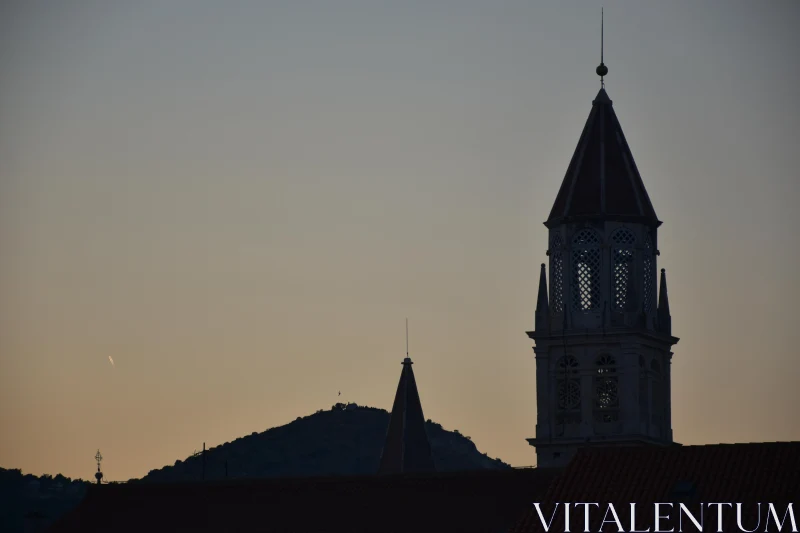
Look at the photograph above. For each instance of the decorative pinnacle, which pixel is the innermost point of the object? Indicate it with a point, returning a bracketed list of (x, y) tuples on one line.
[(602, 69), (98, 475)]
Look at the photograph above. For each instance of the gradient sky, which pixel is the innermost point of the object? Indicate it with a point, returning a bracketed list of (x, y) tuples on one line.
[(241, 201)]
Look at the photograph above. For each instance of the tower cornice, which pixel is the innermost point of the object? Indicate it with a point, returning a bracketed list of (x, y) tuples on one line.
[(573, 337)]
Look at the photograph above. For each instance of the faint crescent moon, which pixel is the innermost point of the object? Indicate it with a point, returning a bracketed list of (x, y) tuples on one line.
[(112, 361)]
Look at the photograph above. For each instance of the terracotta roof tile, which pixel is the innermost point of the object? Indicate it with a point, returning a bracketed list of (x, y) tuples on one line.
[(746, 473), (464, 502)]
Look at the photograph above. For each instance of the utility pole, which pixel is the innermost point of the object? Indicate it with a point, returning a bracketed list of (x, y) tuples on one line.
[(204, 461)]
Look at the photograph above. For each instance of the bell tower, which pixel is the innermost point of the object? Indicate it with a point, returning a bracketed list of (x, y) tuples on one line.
[(602, 337)]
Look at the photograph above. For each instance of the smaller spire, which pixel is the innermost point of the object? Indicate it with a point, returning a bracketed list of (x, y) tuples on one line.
[(602, 69), (406, 448), (542, 305), (664, 318)]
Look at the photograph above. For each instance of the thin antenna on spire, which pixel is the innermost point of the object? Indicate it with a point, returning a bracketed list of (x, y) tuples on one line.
[(602, 70), (406, 337), (407, 360)]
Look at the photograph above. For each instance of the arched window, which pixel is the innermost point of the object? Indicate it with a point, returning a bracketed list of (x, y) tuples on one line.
[(585, 271), (648, 264), (557, 275), (622, 243), (643, 395), (568, 391), (656, 394), (606, 390)]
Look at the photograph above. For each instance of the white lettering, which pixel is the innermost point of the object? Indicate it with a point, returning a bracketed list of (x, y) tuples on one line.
[(586, 514), (662, 517), (719, 514), (615, 520), (541, 516), (566, 518), (789, 511), (698, 525), (659, 518), (633, 521), (739, 518)]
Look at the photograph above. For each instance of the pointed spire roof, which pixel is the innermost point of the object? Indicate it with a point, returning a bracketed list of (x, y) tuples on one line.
[(407, 448), (664, 317), (602, 181), (542, 305)]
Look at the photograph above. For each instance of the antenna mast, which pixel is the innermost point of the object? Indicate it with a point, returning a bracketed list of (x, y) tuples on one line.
[(407, 360)]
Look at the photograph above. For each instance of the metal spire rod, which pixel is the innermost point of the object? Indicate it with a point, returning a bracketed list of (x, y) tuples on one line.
[(406, 337), (602, 70)]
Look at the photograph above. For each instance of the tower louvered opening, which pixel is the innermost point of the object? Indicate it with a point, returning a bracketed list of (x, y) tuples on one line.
[(586, 271), (606, 390), (568, 391), (622, 241), (557, 276), (649, 271)]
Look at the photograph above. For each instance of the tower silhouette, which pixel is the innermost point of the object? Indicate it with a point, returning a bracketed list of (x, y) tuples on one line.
[(602, 343)]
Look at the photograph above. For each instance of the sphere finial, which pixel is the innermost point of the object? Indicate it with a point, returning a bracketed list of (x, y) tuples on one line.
[(602, 69)]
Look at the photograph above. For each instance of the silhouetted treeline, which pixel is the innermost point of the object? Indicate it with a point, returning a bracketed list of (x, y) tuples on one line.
[(347, 440), (40, 499)]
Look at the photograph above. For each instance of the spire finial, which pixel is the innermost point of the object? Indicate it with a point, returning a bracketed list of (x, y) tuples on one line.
[(602, 69), (407, 359), (98, 475)]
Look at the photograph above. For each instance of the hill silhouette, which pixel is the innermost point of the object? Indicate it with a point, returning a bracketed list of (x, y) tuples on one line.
[(347, 440), (39, 500)]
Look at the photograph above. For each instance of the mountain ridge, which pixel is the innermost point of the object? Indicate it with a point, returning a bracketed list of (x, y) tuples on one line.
[(346, 440)]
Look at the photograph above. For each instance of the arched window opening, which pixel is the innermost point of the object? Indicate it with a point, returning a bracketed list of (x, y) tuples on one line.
[(557, 275), (606, 390), (656, 403), (643, 392), (648, 264), (568, 391), (586, 271), (622, 243)]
